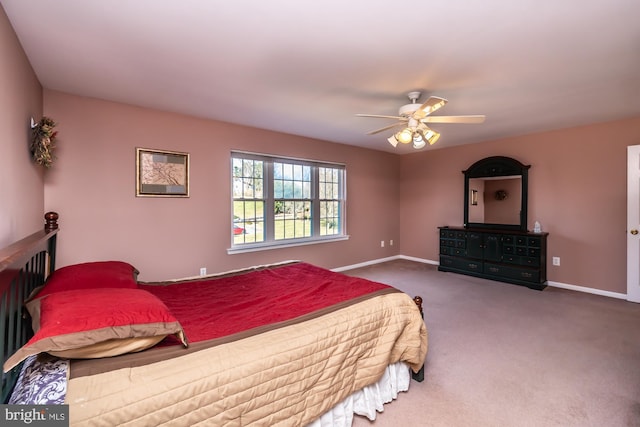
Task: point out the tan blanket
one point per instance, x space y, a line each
283 377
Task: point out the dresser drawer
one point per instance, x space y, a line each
461 264
446 250
526 274
533 252
534 242
511 259
452 234
521 260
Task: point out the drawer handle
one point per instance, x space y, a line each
527 275
494 269
473 266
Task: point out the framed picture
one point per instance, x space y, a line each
161 173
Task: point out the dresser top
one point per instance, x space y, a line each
493 231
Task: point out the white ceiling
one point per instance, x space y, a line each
307 68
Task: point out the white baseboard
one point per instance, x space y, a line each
422 260
428 261
587 290
365 264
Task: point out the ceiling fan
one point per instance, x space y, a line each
414 117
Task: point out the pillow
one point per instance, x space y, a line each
99 274
94 323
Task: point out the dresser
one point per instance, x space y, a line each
511 256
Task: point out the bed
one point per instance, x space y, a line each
282 344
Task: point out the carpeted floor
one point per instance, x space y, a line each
505 355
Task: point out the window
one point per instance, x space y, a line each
280 201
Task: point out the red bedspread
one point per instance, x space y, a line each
225 305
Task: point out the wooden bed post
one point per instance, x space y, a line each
418 300
419 376
51 223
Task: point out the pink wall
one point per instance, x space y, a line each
577 190
92 186
21 181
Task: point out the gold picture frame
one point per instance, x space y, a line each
161 173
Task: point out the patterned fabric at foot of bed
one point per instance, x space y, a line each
42 381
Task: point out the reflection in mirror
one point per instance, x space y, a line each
497 200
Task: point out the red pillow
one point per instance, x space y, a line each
89 275
99 322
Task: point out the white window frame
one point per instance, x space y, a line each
270 241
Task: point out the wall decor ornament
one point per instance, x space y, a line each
43 141
501 195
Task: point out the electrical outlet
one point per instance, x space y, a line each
382 243
203 271
556 260
390 242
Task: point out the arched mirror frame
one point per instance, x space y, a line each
497 166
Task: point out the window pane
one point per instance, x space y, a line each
278 190
248 222
237 188
292 220
248 205
247 168
329 219
257 187
288 189
237 167
287 170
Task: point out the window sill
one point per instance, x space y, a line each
283 245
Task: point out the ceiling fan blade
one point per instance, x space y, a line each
382 116
432 104
385 128
454 119
373 132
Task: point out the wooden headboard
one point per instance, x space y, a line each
24 265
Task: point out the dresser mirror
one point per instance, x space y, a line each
495 194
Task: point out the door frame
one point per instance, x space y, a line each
633 223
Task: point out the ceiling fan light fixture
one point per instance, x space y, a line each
418 143
393 141
431 136
405 136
